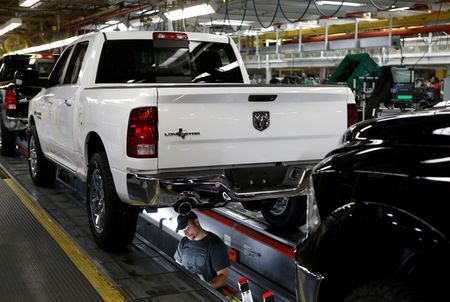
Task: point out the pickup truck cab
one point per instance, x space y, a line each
21 78
158 119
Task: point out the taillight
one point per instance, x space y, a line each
352 114
11 100
142 138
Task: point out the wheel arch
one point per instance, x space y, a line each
31 121
94 144
355 245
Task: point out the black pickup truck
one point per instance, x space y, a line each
378 222
21 78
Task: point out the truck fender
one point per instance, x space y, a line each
368 241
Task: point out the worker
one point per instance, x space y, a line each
274 80
201 252
434 82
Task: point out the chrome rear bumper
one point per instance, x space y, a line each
14 123
213 187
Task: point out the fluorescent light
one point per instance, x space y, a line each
189 12
122 27
112 22
300 25
28 3
10 25
56 44
114 27
227 22
268 29
338 3
247 32
147 12
399 9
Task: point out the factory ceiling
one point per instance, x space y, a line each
48 21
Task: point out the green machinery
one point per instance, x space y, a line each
354 70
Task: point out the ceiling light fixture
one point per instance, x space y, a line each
28 3
267 29
227 22
147 12
112 22
115 27
10 25
189 12
339 3
399 9
56 44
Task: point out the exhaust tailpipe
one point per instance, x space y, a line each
184 208
186 202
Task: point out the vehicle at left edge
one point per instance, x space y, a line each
21 78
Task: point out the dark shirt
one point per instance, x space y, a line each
203 257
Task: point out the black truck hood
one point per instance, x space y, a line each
421 128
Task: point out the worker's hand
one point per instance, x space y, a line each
220 280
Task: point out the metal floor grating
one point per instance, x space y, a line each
34 267
3 175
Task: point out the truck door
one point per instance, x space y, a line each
43 107
65 107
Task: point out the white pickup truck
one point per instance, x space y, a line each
158 119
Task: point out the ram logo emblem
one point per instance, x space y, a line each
261 120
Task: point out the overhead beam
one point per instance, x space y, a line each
430 18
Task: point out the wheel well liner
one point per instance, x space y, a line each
94 144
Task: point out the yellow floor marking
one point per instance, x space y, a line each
104 288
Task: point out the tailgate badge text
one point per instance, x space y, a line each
261 120
181 133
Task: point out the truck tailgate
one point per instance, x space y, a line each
204 126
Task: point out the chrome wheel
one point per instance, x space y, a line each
280 206
33 156
97 201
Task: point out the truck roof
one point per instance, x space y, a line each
138 35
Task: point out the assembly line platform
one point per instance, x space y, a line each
48 253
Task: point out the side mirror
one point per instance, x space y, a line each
26 77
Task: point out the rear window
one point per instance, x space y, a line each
142 61
44 68
11 65
21 62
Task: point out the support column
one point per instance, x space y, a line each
430 44
268 74
300 37
239 41
322 73
268 70
258 57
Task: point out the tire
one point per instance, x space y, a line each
288 213
42 171
387 291
112 222
8 147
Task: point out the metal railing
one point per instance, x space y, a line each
434 50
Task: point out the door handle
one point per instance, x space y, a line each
67 103
262 98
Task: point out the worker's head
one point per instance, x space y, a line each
434 79
189 224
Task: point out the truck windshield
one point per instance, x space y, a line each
139 61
